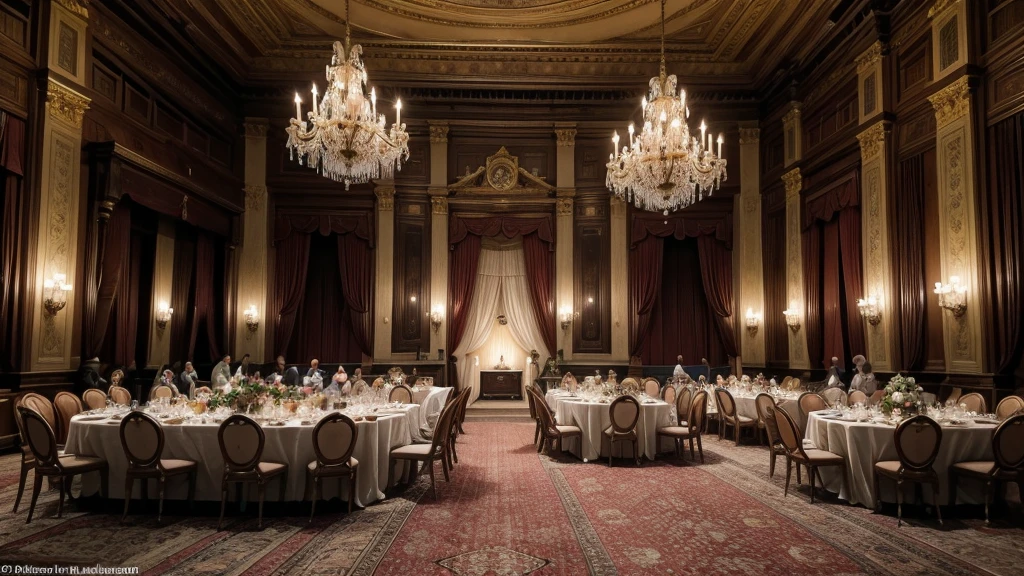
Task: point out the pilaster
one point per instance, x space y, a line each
870 83
792 131
798 357
163 266
877 260
252 285
619 270
958 244
385 191
747 253
565 171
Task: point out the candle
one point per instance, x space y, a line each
298 107
631 134
710 137
398 106
373 102
703 128
615 144
316 105
720 140
682 99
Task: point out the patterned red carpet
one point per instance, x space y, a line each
508 511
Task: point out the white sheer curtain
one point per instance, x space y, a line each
501 284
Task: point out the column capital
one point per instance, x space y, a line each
566 136
940 6
438 132
870 56
793 114
872 139
64 104
385 197
439 204
794 183
255 127
79 8
563 206
749 135
952 102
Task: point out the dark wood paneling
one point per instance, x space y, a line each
935 355
14 23
839 113
774 253
591 331
1005 21
410 331
913 69
772 152
590 162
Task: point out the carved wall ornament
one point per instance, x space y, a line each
254 197
439 204
501 175
794 183
871 141
184 208
77 7
255 130
868 59
952 102
750 135
566 136
438 133
563 206
940 7
385 198
751 203
65 104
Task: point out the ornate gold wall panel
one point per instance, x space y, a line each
877 262
798 357
747 251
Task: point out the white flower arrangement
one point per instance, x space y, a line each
901 395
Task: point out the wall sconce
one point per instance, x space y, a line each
753 322
869 309
436 316
792 319
952 296
55 294
566 316
252 318
163 315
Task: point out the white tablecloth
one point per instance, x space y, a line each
745 406
594 418
432 400
291 444
863 444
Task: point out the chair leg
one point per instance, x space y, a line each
771 465
21 484
789 473
952 486
261 488
935 498
798 479
700 449
129 482
878 495
223 503
316 496
899 502
37 485
433 485
988 498
191 489
64 481
104 482
444 467
693 455
160 486
351 491
811 474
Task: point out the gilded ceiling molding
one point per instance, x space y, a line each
566 136
952 102
871 141
563 206
868 59
77 7
254 197
255 130
439 204
940 7
438 133
750 136
385 198
65 104
794 182
507 23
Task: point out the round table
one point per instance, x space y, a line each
593 418
862 444
291 443
745 406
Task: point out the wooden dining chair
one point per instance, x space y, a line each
241 442
161 391
728 415
668 394
630 384
120 395
810 402
427 454
400 393
765 405
652 387
686 427
28 460
334 441
532 402
52 464
1009 406
67 405
812 458
552 432
975 402
94 399
876 397
833 395
918 440
624 413
142 439
1007 465
857 396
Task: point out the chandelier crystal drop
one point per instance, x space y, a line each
345 139
665 167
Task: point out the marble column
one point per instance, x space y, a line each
619 273
748 275
438 192
252 284
163 268
877 261
565 192
798 357
385 192
958 217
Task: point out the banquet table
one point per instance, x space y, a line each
431 400
593 418
862 444
745 406
291 443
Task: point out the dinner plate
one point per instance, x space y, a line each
92 418
986 421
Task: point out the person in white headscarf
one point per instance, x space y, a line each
864 380
221 376
858 374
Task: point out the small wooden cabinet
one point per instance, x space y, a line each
501 384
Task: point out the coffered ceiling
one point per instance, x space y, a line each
503 43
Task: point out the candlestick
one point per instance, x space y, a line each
298 107
682 99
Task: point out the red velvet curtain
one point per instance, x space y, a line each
832 316
716 274
1007 240
12 151
853 276
116 254
682 320
205 308
812 250
126 330
289 287
908 251
322 326
356 265
182 294
539 275
645 270
509 226
462 267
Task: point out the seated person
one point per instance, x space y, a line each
117 378
339 383
188 379
835 374
291 377
315 375
220 378
865 380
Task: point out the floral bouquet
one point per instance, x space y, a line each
901 395
248 395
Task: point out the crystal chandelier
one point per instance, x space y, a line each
664 167
345 139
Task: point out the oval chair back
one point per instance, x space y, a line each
531 401
684 401
334 439
794 384
726 403
789 432
120 395
161 391
810 402
857 396
668 394
765 405
917 443
652 387
831 395
359 387
41 405
67 405
94 399
241 443
142 439
785 382
378 383
40 437
1009 406
698 411
401 394
443 428
975 402
876 397
569 382
1008 445
624 413
629 384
